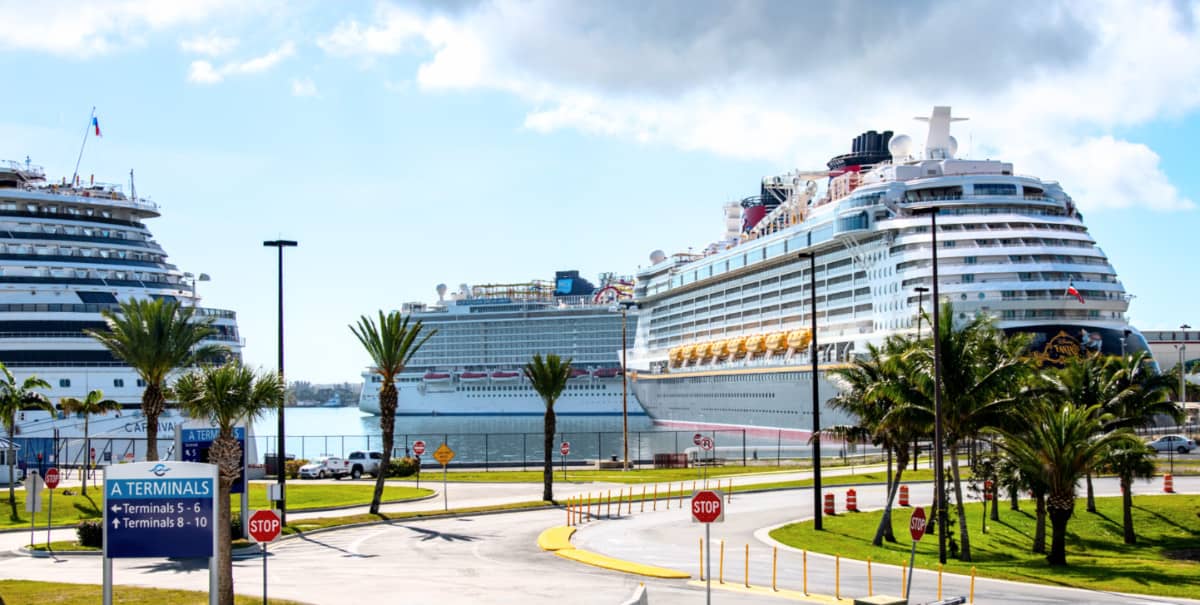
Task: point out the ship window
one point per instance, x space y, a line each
118 382
141 383
64 382
995 189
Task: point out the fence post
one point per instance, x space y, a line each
523 459
779 454
743 447
485 452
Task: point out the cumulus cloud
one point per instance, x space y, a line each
211 46
204 72
793 82
304 87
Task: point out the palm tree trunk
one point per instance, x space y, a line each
9 455
1127 509
226 454
548 429
1039 531
87 454
1013 494
1059 516
1091 494
995 484
884 531
152 405
388 398
964 554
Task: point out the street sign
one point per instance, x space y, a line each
443 454
708 506
418 447
33 492
696 438
195 444
264 526
565 448
160 509
916 524
52 478
706 444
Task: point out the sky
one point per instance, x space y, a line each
407 144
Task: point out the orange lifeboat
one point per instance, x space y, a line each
689 352
777 341
737 346
705 351
676 355
756 344
798 339
721 349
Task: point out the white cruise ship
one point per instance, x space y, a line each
486 334
723 337
67 251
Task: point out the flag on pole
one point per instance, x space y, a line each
96 124
1071 291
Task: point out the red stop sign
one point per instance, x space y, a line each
707 507
264 526
52 478
565 448
696 438
418 447
916 524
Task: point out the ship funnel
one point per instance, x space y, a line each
939 145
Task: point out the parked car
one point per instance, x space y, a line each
364 463
1177 443
325 466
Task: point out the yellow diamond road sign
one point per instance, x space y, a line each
443 454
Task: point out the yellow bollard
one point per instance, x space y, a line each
654 505
870 584
608 511
642 508
721 576
774 566
972 597
701 559
747 576
837 577
693 487
729 492
631 499
589 506
939 581
568 509
903 584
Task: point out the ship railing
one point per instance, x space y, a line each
96 308
22 167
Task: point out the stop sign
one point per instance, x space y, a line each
696 438
707 507
916 524
264 526
52 477
418 447
565 448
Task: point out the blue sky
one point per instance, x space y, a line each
406 145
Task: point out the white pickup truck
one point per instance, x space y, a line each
324 467
364 463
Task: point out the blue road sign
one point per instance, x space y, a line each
195 444
160 509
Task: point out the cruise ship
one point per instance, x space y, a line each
723 337
68 250
486 334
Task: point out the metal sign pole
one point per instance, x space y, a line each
445 496
564 463
708 563
49 517
911 559
264 553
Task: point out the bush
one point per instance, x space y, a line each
90 533
235 526
402 467
293 467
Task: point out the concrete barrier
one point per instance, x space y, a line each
639 597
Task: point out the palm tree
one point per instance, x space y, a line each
94 403
1083 381
156 337
1128 463
391 343
1061 443
15 397
549 378
227 395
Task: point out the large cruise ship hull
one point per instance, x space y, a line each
581 398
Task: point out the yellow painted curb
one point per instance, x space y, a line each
599 560
794 595
556 538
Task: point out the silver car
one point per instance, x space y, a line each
1177 443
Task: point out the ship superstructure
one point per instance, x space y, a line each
486 334
723 337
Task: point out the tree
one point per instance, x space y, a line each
549 378
15 397
227 395
156 337
1062 443
391 343
1129 462
93 403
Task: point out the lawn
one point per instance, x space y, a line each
1096 556
72 509
24 592
649 475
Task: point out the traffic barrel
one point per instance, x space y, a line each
830 508
1168 483
852 500
903 495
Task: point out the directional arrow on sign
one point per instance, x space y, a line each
116 523
115 508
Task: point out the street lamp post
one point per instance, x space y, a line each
625 305
938 430
920 290
281 455
192 279
816 400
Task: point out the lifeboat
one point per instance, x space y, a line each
498 375
676 356
756 344
437 377
777 341
691 353
607 373
737 346
721 349
705 351
577 373
472 376
798 339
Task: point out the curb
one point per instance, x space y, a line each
558 540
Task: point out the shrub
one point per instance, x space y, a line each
402 467
90 533
235 526
293 467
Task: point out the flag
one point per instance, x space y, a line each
1071 291
96 123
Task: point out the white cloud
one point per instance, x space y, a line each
304 87
1044 83
204 72
211 46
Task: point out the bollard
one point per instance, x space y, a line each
681 494
1168 483
608 511
837 577
870 584
642 509
972 597
851 501
589 506
701 559
630 500
903 584
568 509
693 486
774 566
903 495
747 577
830 508
729 492
939 581
654 505
721 575
805 572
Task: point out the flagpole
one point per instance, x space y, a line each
82 145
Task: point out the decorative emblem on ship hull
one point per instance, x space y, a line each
1057 349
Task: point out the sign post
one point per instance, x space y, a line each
916 527
160 509
444 455
708 507
52 479
696 442
264 527
706 444
565 450
33 498
418 448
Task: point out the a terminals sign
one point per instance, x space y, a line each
159 509
708 507
196 443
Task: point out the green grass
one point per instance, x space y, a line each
61 546
1096 555
305 525
69 510
656 475
25 592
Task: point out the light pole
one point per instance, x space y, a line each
192 279
920 290
816 398
939 478
281 455
625 305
